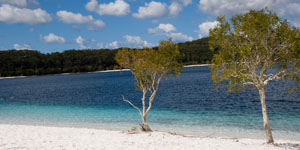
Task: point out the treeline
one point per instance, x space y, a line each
196 52
30 62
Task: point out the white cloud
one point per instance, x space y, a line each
170 31
162 28
293 10
77 18
186 2
113 45
175 8
204 28
92 5
230 7
22 47
21 3
128 41
12 14
116 8
177 36
135 41
79 40
151 10
52 38
288 9
100 45
72 18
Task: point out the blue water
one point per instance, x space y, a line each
189 104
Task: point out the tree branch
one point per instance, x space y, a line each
278 76
132 105
248 83
153 94
143 100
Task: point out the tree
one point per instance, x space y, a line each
149 67
254 49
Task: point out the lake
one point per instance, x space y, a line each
188 104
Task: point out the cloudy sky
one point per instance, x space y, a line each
57 25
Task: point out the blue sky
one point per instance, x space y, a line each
57 25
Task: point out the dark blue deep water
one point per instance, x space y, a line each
189 104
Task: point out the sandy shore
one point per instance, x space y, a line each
200 65
23 137
12 77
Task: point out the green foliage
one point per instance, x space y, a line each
149 66
255 48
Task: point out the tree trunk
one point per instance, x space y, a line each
144 125
265 115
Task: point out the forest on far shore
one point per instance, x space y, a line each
32 62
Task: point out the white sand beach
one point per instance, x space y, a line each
21 137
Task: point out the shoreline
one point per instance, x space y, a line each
14 77
43 137
199 65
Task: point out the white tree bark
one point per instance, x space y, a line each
265 114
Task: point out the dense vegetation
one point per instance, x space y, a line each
30 62
196 52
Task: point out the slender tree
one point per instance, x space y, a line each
254 49
149 67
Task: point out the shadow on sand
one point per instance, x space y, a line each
290 146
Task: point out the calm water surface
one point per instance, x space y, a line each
188 104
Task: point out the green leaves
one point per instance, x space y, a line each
250 46
149 66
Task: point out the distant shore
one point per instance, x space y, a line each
12 77
28 137
200 65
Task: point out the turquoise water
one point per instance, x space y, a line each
188 105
